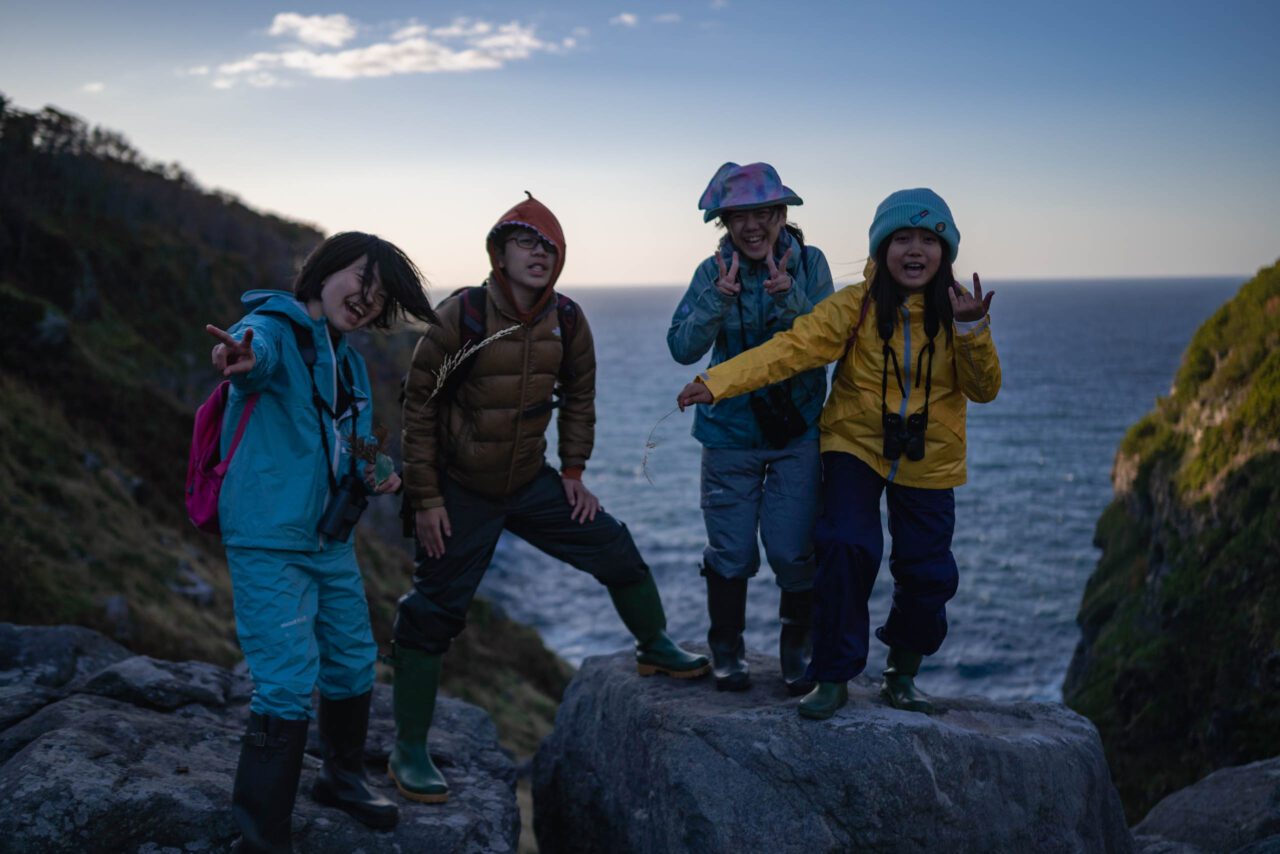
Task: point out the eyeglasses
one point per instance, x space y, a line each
758 216
527 240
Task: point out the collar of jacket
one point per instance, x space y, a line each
506 306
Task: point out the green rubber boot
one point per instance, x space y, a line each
824 700
417 675
899 686
640 608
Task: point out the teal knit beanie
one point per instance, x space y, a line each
918 208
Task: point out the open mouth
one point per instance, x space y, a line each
913 269
356 310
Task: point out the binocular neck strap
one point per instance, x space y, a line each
323 409
928 376
889 356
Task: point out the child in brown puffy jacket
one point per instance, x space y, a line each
474 466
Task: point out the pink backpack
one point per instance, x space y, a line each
205 470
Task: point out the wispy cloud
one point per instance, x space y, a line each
719 4
314 30
465 44
626 19
667 18
93 88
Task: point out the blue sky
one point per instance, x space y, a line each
1071 139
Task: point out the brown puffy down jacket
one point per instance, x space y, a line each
490 438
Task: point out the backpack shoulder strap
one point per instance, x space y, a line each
471 329
568 314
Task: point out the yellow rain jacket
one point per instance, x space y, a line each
966 368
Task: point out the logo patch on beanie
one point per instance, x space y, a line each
915 218
940 227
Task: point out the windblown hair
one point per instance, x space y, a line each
888 296
400 278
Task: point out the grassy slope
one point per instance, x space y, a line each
1180 661
107 273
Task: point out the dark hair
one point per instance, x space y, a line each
789 226
888 296
400 278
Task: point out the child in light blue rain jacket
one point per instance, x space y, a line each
301 614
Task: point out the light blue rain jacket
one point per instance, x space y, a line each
707 320
277 485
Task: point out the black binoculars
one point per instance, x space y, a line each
779 419
900 438
345 507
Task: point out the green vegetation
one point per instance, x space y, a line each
109 268
1179 665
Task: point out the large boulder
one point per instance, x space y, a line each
659 765
1233 809
111 752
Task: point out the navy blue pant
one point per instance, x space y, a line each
849 545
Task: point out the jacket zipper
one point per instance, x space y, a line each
333 422
524 389
906 379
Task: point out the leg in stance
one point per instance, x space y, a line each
849 545
347 655
429 617
276 605
925 578
727 608
417 676
788 512
540 514
732 481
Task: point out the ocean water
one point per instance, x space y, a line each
1082 360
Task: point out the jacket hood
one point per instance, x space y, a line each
533 214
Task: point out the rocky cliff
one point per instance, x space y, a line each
1179 659
105 751
656 765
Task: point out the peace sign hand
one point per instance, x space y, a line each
970 307
779 281
728 283
231 356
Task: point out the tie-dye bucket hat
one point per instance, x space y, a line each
742 188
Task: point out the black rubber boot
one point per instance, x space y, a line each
795 641
267 783
727 607
640 608
341 782
899 686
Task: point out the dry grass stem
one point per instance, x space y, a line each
451 363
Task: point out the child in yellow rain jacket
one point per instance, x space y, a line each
913 347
